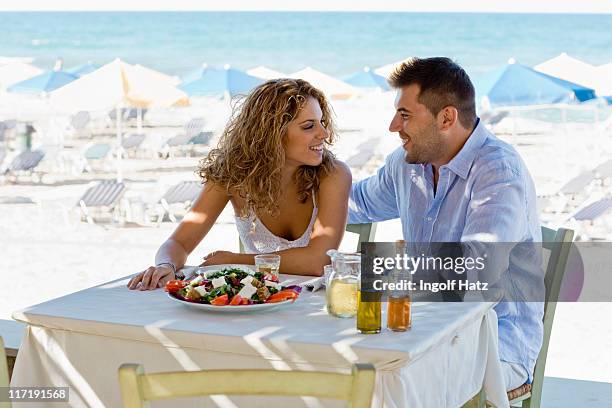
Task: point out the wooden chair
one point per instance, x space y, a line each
366 233
137 387
4 375
559 244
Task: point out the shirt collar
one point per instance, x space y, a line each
462 162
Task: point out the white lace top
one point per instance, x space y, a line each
257 239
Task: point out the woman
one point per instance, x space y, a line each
289 193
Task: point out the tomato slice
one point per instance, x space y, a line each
282 296
220 300
271 278
174 286
236 300
245 301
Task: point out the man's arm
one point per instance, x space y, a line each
374 198
498 219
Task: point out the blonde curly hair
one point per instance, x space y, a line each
250 154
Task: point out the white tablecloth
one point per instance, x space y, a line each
81 339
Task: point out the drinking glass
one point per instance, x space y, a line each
268 264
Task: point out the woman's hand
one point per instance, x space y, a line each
152 278
222 257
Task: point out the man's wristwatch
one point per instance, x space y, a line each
177 274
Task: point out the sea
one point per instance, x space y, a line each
338 43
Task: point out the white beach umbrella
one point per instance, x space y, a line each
334 88
604 79
570 69
118 84
171 80
12 60
16 72
385 70
264 72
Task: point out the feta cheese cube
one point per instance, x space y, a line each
197 280
201 290
247 280
247 291
218 282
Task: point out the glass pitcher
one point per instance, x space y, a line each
343 283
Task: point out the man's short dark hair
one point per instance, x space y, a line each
442 83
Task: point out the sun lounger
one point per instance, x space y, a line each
182 194
589 220
95 156
25 163
103 196
79 123
593 210
604 170
578 184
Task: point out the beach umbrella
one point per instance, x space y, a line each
118 85
331 86
226 82
386 70
171 80
265 73
366 78
13 60
570 69
46 82
518 85
16 72
603 85
83 69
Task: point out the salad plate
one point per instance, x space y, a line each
231 309
231 288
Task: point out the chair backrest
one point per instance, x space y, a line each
194 127
559 244
183 192
366 233
133 141
97 151
80 120
137 387
578 183
103 194
594 210
27 160
201 138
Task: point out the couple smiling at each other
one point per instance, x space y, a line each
450 181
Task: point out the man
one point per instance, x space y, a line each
453 181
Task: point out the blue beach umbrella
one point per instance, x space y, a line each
45 82
82 69
518 85
366 78
208 81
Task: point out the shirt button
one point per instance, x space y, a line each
429 218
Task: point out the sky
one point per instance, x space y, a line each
513 6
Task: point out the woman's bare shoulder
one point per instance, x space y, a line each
341 173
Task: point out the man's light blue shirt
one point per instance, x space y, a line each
485 193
